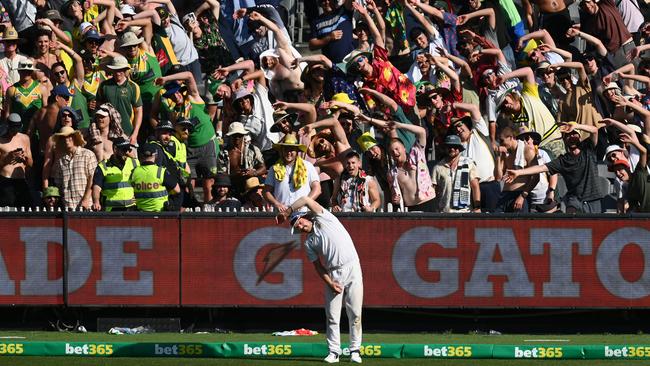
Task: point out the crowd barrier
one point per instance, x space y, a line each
408 260
275 350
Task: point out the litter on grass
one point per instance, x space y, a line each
136 330
296 332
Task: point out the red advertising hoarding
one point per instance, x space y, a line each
406 261
123 261
430 263
31 261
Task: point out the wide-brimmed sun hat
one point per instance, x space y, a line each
290 140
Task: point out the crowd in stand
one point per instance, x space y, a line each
430 106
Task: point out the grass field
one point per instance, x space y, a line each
370 338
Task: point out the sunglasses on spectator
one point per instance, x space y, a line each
66 114
60 72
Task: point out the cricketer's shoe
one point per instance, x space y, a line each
332 358
355 357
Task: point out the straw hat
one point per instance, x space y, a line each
119 63
236 128
69 131
290 140
251 184
10 34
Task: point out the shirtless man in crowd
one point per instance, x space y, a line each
15 158
553 16
515 154
276 63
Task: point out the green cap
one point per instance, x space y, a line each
51 192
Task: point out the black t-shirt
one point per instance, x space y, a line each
638 190
580 172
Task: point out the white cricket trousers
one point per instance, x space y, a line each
350 277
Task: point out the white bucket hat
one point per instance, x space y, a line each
237 128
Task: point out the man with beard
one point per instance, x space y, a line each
111 188
15 158
578 168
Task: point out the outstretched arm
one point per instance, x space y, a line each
379 40
430 10
572 65
486 12
600 47
381 97
301 202
541 35
524 73
316 59
185 76
428 27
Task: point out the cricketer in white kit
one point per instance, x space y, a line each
327 240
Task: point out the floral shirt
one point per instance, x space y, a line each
388 80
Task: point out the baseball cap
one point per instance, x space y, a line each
148 150
618 162
61 90
294 219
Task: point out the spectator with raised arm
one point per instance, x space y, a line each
578 168
526 108
202 146
332 30
474 134
284 80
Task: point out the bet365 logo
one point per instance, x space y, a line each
627 351
267 350
448 351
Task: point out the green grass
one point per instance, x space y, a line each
368 338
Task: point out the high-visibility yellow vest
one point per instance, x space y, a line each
150 193
116 190
181 155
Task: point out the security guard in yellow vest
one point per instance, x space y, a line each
166 157
151 183
111 188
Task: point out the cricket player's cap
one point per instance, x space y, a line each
294 219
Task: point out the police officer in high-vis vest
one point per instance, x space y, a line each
169 155
152 183
111 188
